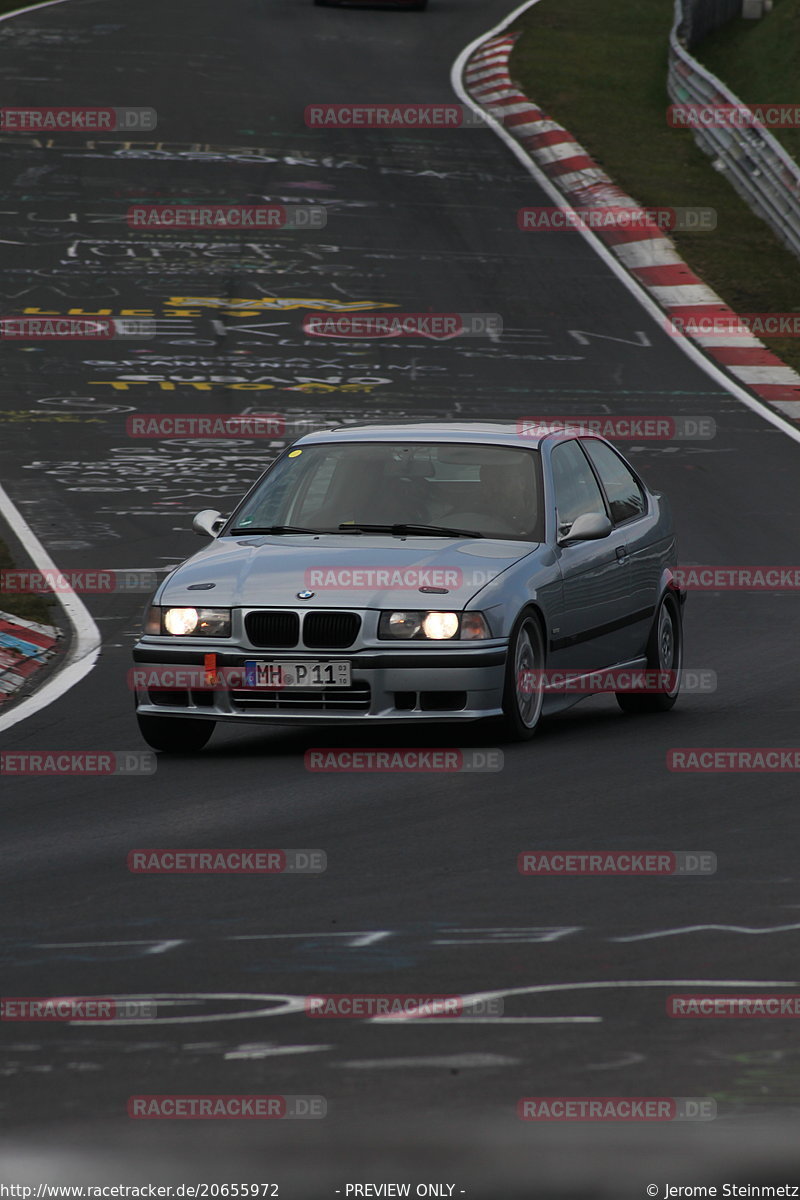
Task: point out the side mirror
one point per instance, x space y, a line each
588 527
208 523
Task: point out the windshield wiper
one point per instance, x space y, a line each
396 530
274 529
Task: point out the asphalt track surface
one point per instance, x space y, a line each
421 893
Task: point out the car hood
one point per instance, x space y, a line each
347 571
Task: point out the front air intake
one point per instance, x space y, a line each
272 629
330 630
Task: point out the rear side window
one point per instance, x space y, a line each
576 490
625 497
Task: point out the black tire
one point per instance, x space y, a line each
664 653
175 735
526 651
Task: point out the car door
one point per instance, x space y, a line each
628 508
591 631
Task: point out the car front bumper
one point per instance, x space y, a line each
388 686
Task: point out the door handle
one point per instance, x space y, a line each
622 552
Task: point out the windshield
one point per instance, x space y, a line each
494 490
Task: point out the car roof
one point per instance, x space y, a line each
483 432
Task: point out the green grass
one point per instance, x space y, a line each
30 608
600 70
11 5
760 61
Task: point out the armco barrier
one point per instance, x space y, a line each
754 162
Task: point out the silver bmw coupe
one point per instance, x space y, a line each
408 573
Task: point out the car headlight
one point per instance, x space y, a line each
439 626
189 622
432 626
400 625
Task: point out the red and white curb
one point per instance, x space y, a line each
646 253
25 646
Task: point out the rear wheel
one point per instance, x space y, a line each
522 704
664 653
175 735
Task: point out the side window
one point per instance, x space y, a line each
576 490
625 497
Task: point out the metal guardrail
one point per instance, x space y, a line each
758 167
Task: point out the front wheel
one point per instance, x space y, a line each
664 653
175 735
522 700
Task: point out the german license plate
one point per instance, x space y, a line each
280 675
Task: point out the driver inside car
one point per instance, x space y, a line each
505 501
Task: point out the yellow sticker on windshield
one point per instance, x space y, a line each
294 453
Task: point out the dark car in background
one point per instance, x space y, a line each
417 5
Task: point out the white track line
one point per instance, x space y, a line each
633 286
30 8
86 638
540 989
